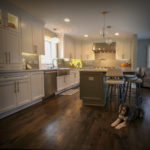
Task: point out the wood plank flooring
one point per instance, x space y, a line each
62 123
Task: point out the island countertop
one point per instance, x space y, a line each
125 70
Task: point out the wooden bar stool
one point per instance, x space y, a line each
138 82
114 81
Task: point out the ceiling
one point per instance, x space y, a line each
127 17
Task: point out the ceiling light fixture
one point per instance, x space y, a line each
117 34
85 35
105 29
67 20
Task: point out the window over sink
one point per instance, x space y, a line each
50 52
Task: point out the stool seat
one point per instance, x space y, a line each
113 82
129 76
138 80
132 79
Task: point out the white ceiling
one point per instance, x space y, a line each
125 16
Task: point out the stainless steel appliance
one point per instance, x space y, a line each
50 82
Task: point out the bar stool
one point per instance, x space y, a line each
114 81
134 79
138 82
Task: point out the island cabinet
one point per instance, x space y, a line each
92 88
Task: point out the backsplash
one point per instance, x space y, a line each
32 60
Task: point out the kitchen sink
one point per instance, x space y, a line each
63 72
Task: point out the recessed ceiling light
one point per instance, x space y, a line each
116 33
85 35
67 20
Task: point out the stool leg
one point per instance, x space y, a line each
125 96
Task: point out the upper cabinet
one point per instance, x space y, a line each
69 47
9 20
38 38
32 36
123 49
26 36
10 50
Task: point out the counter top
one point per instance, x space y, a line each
105 70
32 70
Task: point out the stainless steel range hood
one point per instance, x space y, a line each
104 47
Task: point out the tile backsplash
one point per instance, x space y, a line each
32 60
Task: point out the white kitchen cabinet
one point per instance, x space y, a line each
87 53
2 47
7 96
63 82
32 36
60 83
74 75
13 48
37 85
14 91
10 54
123 49
26 36
69 47
23 88
38 38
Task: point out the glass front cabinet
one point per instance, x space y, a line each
8 20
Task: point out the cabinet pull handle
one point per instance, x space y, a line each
9 58
6 57
15 87
18 86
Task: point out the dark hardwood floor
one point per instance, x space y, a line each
62 123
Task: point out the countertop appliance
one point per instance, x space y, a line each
50 82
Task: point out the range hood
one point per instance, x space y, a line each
104 47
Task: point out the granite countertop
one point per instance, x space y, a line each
32 70
105 70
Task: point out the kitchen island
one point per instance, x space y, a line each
93 87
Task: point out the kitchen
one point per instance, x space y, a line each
45 52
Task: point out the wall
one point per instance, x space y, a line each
142 52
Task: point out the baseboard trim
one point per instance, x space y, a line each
12 111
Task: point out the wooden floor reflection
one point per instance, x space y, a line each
62 123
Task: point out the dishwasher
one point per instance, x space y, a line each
50 82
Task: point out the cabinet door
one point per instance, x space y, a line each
119 50
127 49
13 49
3 54
7 96
37 85
23 92
72 79
76 77
38 38
26 38
66 81
12 22
60 83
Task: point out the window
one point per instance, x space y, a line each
50 52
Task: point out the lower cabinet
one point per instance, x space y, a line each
66 81
23 91
37 85
19 89
14 91
8 95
